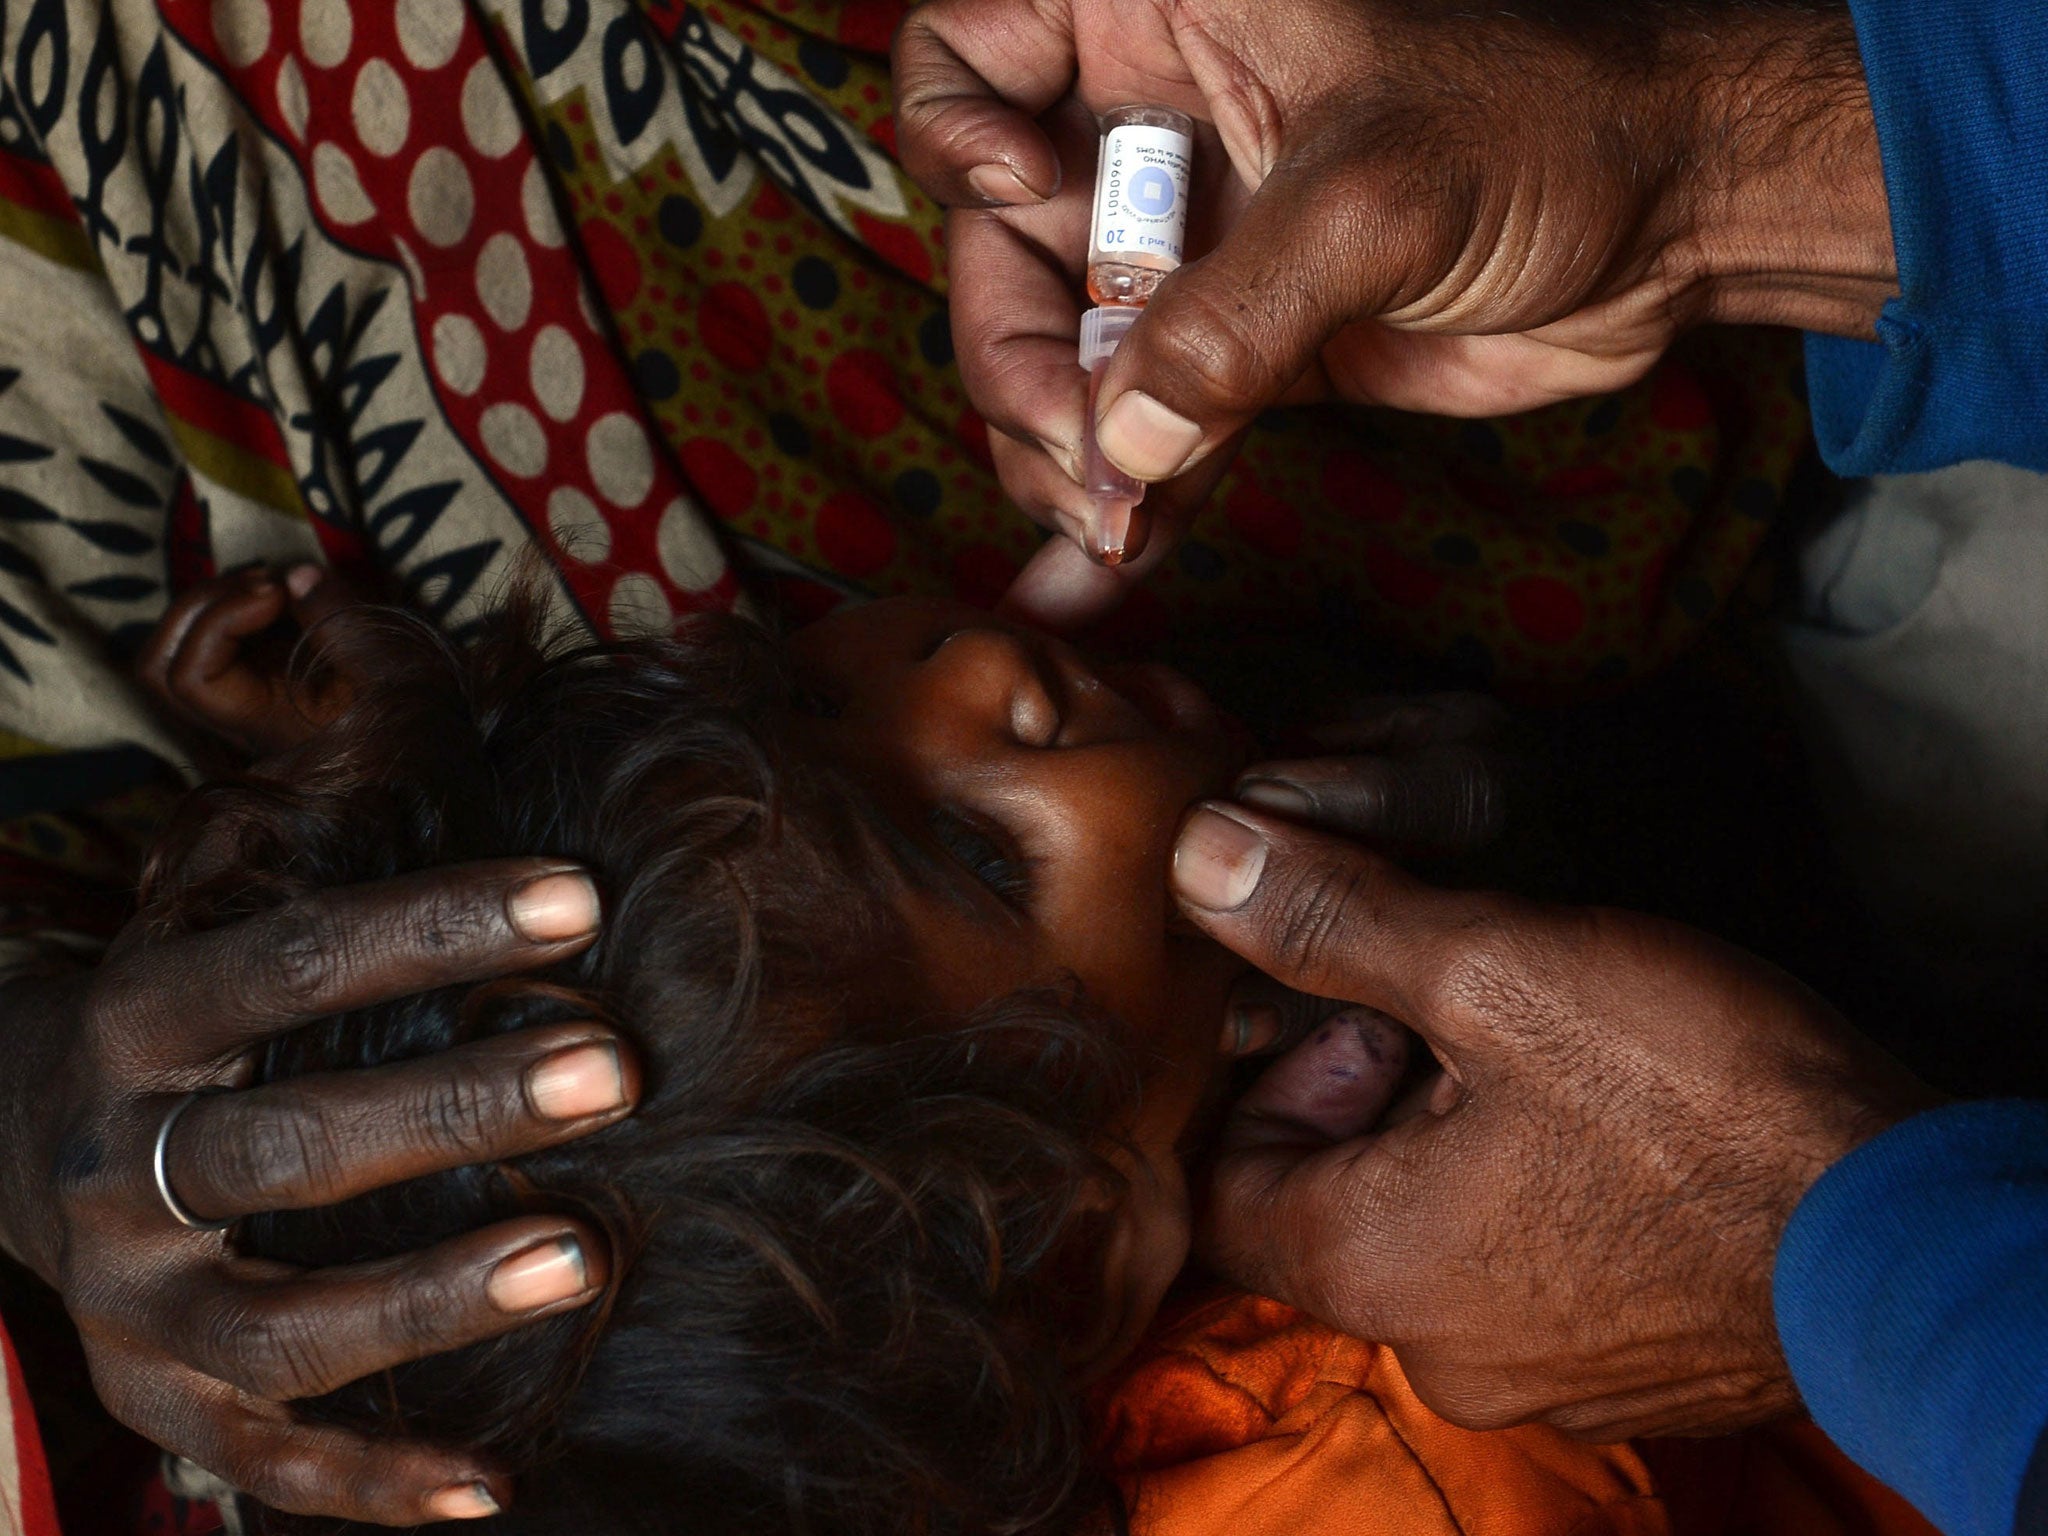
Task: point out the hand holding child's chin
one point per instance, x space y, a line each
1576 1222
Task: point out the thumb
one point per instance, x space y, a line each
1328 917
1228 335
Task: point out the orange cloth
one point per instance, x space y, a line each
1245 1418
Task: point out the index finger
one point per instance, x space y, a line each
198 998
267 1452
1443 798
970 75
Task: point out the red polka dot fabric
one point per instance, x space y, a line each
794 349
684 310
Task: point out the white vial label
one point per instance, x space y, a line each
1141 195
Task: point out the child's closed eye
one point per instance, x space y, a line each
987 853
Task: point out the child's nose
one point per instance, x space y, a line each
998 671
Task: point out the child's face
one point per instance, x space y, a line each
1031 803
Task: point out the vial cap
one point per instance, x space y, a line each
1102 329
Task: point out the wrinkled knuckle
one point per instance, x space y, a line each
465 1116
290 1480
269 1352
302 951
1483 811
425 1315
282 1154
946 139
1495 973
1207 359
455 922
1010 390
1315 919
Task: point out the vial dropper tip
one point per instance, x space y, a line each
1110 531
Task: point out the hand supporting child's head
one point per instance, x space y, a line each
888 918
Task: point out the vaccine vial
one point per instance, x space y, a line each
1116 531
1141 202
1136 238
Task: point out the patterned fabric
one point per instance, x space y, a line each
26 1508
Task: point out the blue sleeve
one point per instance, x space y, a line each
1912 1298
1960 367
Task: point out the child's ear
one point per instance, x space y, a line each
1142 1245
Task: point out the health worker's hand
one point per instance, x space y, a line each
1423 773
1421 205
198 1349
1575 1220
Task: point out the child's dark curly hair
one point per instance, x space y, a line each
849 1235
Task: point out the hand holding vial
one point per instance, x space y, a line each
1381 213
1135 239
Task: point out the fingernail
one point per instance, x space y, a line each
1280 799
585 1080
463 1501
300 580
1144 439
1251 1027
1000 184
1217 861
553 1271
554 907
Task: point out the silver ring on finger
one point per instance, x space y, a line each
160 1164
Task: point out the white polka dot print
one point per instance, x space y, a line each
341 191
557 371
460 355
291 97
488 116
514 440
538 204
326 31
578 526
689 554
429 31
503 281
440 198
621 460
382 109
242 28
640 607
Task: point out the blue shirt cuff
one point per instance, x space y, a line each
1912 1298
1960 367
